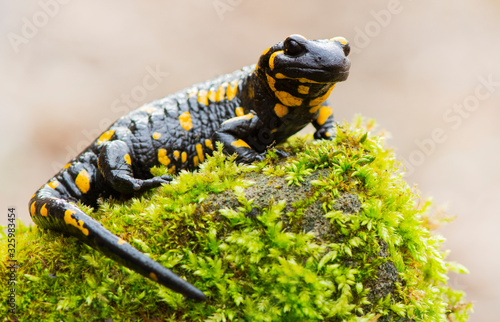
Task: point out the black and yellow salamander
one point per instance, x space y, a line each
248 111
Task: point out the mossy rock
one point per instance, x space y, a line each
330 233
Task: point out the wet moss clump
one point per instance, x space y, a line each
330 233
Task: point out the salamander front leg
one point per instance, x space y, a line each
324 124
247 137
234 145
238 135
115 165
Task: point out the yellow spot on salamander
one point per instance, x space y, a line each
237 118
202 97
67 165
271 59
302 89
231 90
239 111
68 218
32 208
211 95
184 157
82 181
172 169
208 144
176 155
106 136
265 51
314 109
240 144
199 151
219 95
274 130
341 40
121 241
288 99
324 113
162 157
153 276
156 135
192 92
271 82
43 210
185 120
280 110
328 134
53 184
322 98
127 159
196 161
147 109
251 91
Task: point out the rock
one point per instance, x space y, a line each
331 233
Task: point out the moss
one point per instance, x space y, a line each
331 233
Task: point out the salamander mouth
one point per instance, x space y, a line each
318 75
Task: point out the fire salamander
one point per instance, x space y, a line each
248 111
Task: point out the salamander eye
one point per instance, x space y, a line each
292 47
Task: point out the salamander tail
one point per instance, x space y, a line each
59 214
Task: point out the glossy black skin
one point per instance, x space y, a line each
108 172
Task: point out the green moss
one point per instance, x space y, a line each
331 233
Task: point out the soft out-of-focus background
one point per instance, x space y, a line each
427 71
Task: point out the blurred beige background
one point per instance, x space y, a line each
427 71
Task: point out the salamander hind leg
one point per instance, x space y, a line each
115 164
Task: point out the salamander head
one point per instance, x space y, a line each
300 71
